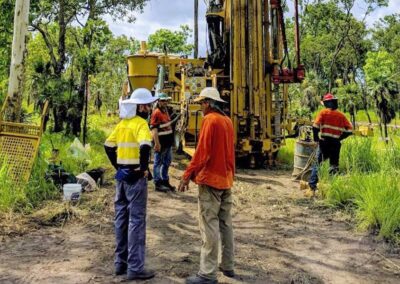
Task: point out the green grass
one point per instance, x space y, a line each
31 196
357 155
369 183
286 153
76 160
10 196
25 198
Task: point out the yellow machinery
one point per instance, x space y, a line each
247 51
181 78
19 144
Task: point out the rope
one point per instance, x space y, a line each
308 165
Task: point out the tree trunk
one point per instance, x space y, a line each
86 113
59 114
196 29
365 105
87 41
15 87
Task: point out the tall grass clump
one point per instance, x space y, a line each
358 155
38 188
368 182
10 195
23 198
378 203
389 157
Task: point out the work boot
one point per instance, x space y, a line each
311 192
197 279
161 187
227 273
120 270
167 184
144 275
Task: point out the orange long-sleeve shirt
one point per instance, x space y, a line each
332 123
213 162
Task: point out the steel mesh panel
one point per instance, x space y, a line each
19 154
20 128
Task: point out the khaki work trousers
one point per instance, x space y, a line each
215 221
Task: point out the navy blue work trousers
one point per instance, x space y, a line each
328 149
130 224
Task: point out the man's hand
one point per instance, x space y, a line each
183 185
157 147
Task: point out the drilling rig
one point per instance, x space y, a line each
248 62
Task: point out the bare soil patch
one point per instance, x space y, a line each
281 237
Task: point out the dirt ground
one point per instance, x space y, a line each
281 237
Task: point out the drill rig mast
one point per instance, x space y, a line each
248 47
247 50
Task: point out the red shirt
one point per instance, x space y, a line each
161 121
332 123
213 162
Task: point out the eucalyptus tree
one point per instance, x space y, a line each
334 41
17 66
6 33
107 82
165 40
85 13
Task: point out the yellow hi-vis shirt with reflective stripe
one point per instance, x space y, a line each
128 136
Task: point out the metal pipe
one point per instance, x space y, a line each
195 128
297 32
250 66
275 29
277 120
160 81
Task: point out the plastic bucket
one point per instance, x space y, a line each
72 191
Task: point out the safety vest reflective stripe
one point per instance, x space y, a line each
165 124
144 142
330 135
110 144
128 161
164 132
332 127
127 145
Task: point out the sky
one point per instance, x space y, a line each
170 14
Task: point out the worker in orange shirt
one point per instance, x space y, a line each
329 128
213 167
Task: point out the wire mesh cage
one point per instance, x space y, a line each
19 144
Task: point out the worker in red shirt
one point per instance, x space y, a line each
213 167
329 128
163 137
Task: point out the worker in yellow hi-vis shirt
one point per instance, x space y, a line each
128 148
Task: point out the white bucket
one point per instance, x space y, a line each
72 191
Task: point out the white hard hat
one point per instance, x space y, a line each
210 93
141 96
